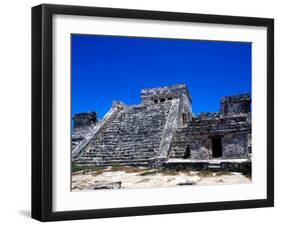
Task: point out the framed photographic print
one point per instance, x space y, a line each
145 112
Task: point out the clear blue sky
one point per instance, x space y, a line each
107 68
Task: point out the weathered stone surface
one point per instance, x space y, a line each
234 131
236 104
187 182
162 94
231 165
105 185
169 129
86 119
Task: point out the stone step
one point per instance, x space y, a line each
116 157
214 166
112 154
112 162
123 147
106 153
132 136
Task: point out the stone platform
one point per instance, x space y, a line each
232 165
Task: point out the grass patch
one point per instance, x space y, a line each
147 173
205 173
86 169
96 170
163 171
76 168
208 173
116 167
127 169
169 172
222 173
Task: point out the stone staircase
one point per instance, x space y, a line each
132 137
214 166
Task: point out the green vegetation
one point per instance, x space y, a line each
144 171
169 172
222 173
85 169
163 171
127 169
116 167
95 170
76 168
209 173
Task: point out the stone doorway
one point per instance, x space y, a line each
187 152
216 147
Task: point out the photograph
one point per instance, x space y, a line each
151 112
142 112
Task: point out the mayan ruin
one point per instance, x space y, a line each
162 131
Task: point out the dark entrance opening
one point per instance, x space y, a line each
187 153
216 147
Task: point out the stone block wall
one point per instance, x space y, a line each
83 123
78 135
233 131
85 119
235 145
162 94
235 104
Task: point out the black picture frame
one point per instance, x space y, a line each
42 111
